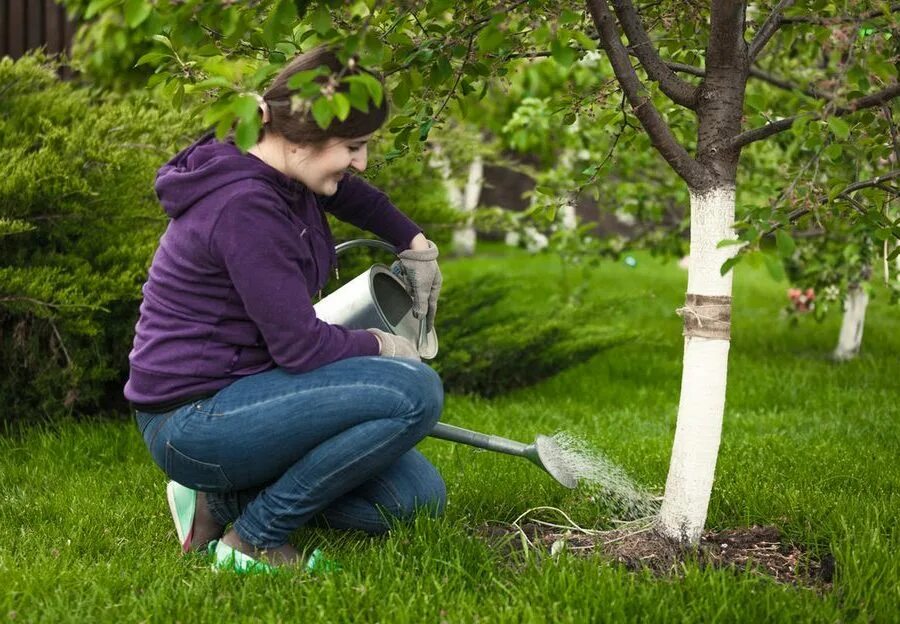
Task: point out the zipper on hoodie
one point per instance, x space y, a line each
234 359
312 253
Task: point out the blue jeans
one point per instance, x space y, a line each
331 447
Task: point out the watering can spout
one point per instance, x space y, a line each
543 453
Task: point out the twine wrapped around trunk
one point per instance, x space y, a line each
706 316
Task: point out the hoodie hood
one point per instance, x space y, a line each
208 165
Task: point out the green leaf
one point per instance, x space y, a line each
834 151
245 106
839 127
729 242
561 53
441 71
164 40
774 267
97 6
223 127
178 96
372 84
340 104
491 38
425 128
401 141
280 21
320 20
784 243
305 77
136 11
247 132
586 42
151 58
569 118
322 113
373 50
400 94
359 97
729 264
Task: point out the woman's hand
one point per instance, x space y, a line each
390 345
420 271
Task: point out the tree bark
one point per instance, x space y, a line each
707 311
850 338
704 373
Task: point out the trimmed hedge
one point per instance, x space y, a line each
488 346
79 222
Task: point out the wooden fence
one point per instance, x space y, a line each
30 24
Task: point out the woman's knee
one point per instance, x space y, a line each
421 387
413 485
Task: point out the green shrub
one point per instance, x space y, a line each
488 346
79 221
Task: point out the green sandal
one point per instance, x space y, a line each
227 558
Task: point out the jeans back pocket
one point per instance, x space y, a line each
195 474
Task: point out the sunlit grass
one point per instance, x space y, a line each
808 445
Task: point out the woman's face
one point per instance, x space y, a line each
320 168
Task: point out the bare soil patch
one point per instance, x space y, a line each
758 549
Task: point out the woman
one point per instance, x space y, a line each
265 418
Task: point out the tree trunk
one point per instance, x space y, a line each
567 219
464 200
705 369
850 338
464 238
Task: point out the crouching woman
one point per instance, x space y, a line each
265 418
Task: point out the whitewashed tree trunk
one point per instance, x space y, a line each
850 338
465 200
464 238
704 374
567 218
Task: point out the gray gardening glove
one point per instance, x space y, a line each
390 345
420 272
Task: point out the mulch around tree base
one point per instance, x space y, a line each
757 548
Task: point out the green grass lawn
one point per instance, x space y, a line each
808 445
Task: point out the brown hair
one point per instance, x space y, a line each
299 126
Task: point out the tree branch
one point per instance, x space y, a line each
768 29
856 186
763 132
684 68
660 134
678 90
756 73
839 19
788 85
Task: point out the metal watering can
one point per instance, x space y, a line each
378 298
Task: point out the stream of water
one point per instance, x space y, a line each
602 478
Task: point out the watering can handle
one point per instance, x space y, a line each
365 242
384 246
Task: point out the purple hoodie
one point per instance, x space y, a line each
230 288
